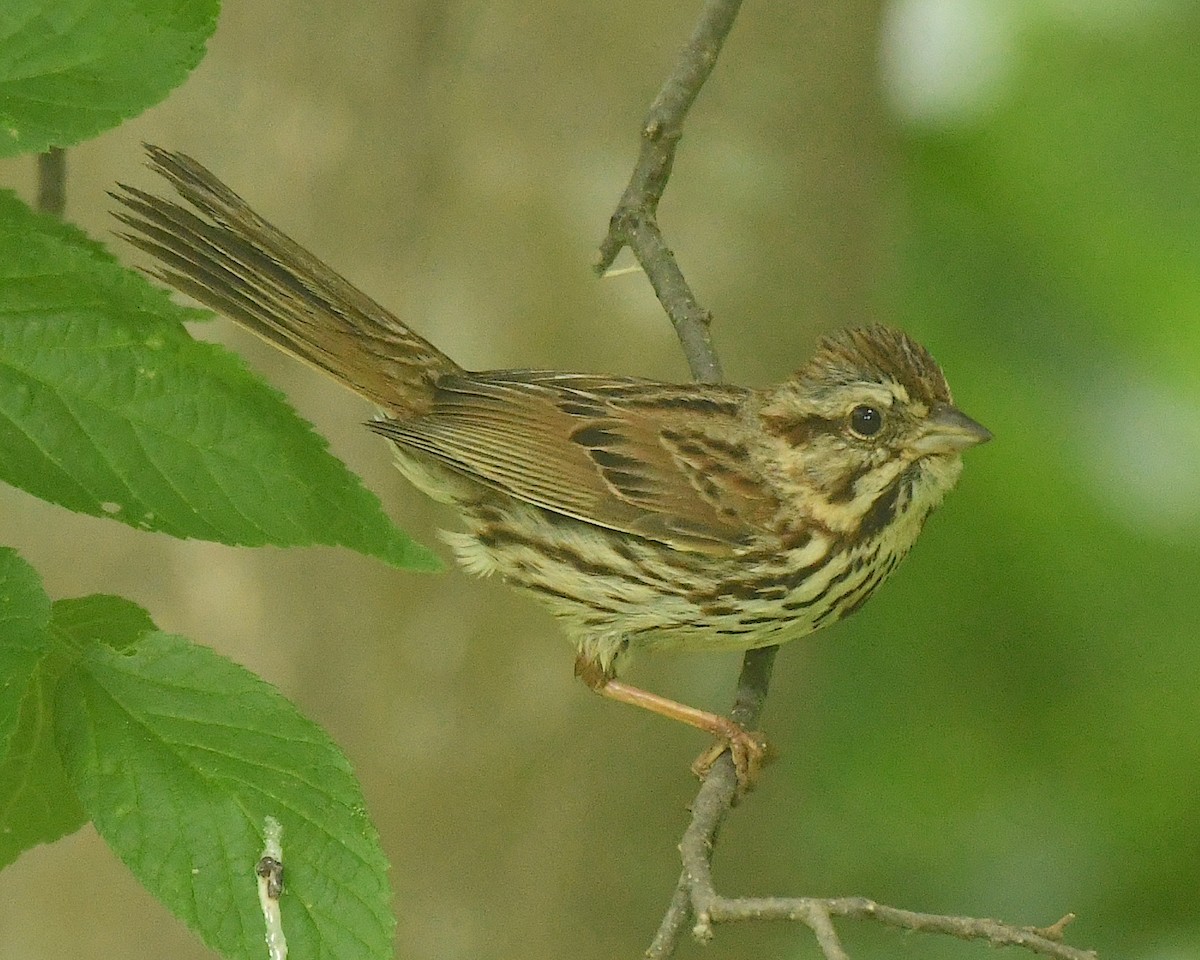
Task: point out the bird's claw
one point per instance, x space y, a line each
749 751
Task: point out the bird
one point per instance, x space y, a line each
647 516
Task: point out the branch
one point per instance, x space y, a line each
695 894
635 225
817 914
635 222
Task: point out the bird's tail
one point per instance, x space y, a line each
230 259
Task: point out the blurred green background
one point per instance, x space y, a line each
1010 728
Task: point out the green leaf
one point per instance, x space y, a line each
113 621
70 69
36 804
109 407
180 755
24 616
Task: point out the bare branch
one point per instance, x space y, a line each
635 222
804 909
715 797
635 225
674 920
820 923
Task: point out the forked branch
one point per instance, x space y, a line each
634 224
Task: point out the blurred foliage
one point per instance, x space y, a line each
1033 741
1008 729
70 70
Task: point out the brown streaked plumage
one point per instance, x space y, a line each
646 515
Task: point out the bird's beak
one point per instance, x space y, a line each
947 430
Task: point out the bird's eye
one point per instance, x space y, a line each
865 421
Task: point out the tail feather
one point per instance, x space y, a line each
233 261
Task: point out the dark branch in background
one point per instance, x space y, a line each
52 181
635 225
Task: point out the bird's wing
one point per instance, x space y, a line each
659 461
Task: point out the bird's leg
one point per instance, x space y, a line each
748 749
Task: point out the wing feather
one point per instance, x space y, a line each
630 455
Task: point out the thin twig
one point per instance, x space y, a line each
635 222
635 225
673 921
713 800
821 924
994 932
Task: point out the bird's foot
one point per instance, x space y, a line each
748 749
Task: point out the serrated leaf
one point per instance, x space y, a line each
179 756
109 407
113 621
37 804
24 617
70 69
